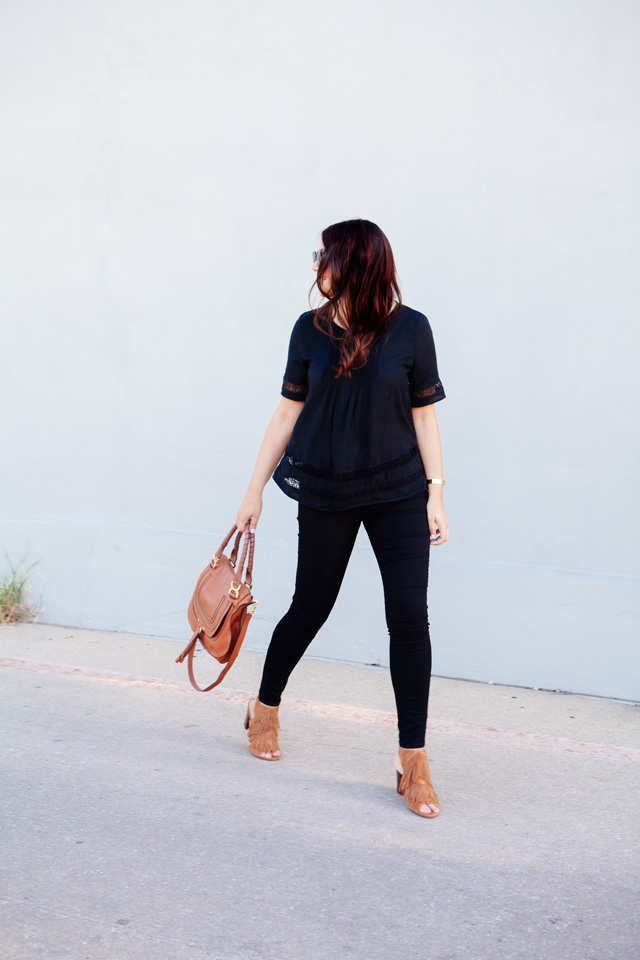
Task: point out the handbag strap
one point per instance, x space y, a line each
233 556
226 540
252 543
249 541
191 647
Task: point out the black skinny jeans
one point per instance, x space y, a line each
399 534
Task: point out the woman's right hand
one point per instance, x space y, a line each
249 509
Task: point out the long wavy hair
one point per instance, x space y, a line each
358 271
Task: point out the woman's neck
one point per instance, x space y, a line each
337 316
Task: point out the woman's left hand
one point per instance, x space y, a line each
437 519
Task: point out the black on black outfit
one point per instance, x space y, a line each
353 457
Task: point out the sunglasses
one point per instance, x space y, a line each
316 255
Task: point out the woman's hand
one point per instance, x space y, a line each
249 509
437 519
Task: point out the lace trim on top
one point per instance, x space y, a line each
355 494
427 392
360 474
295 387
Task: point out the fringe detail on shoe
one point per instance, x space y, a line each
415 783
263 728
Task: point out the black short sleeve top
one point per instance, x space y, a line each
354 442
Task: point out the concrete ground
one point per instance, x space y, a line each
139 826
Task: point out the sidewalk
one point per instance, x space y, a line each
139 827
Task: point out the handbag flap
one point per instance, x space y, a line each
211 601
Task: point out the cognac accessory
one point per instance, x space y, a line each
219 611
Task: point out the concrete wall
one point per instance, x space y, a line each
165 172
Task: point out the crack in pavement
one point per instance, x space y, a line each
520 739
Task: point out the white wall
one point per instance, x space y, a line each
165 172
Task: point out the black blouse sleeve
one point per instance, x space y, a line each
295 385
424 382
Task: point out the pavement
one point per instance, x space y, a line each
139 827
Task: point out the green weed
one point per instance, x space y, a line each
15 602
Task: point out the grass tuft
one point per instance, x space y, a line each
15 604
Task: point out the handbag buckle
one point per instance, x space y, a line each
215 561
252 607
234 590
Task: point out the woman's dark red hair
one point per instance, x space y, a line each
360 273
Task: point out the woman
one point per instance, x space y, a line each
355 439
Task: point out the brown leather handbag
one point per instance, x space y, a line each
219 611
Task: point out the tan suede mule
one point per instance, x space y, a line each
263 726
414 782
